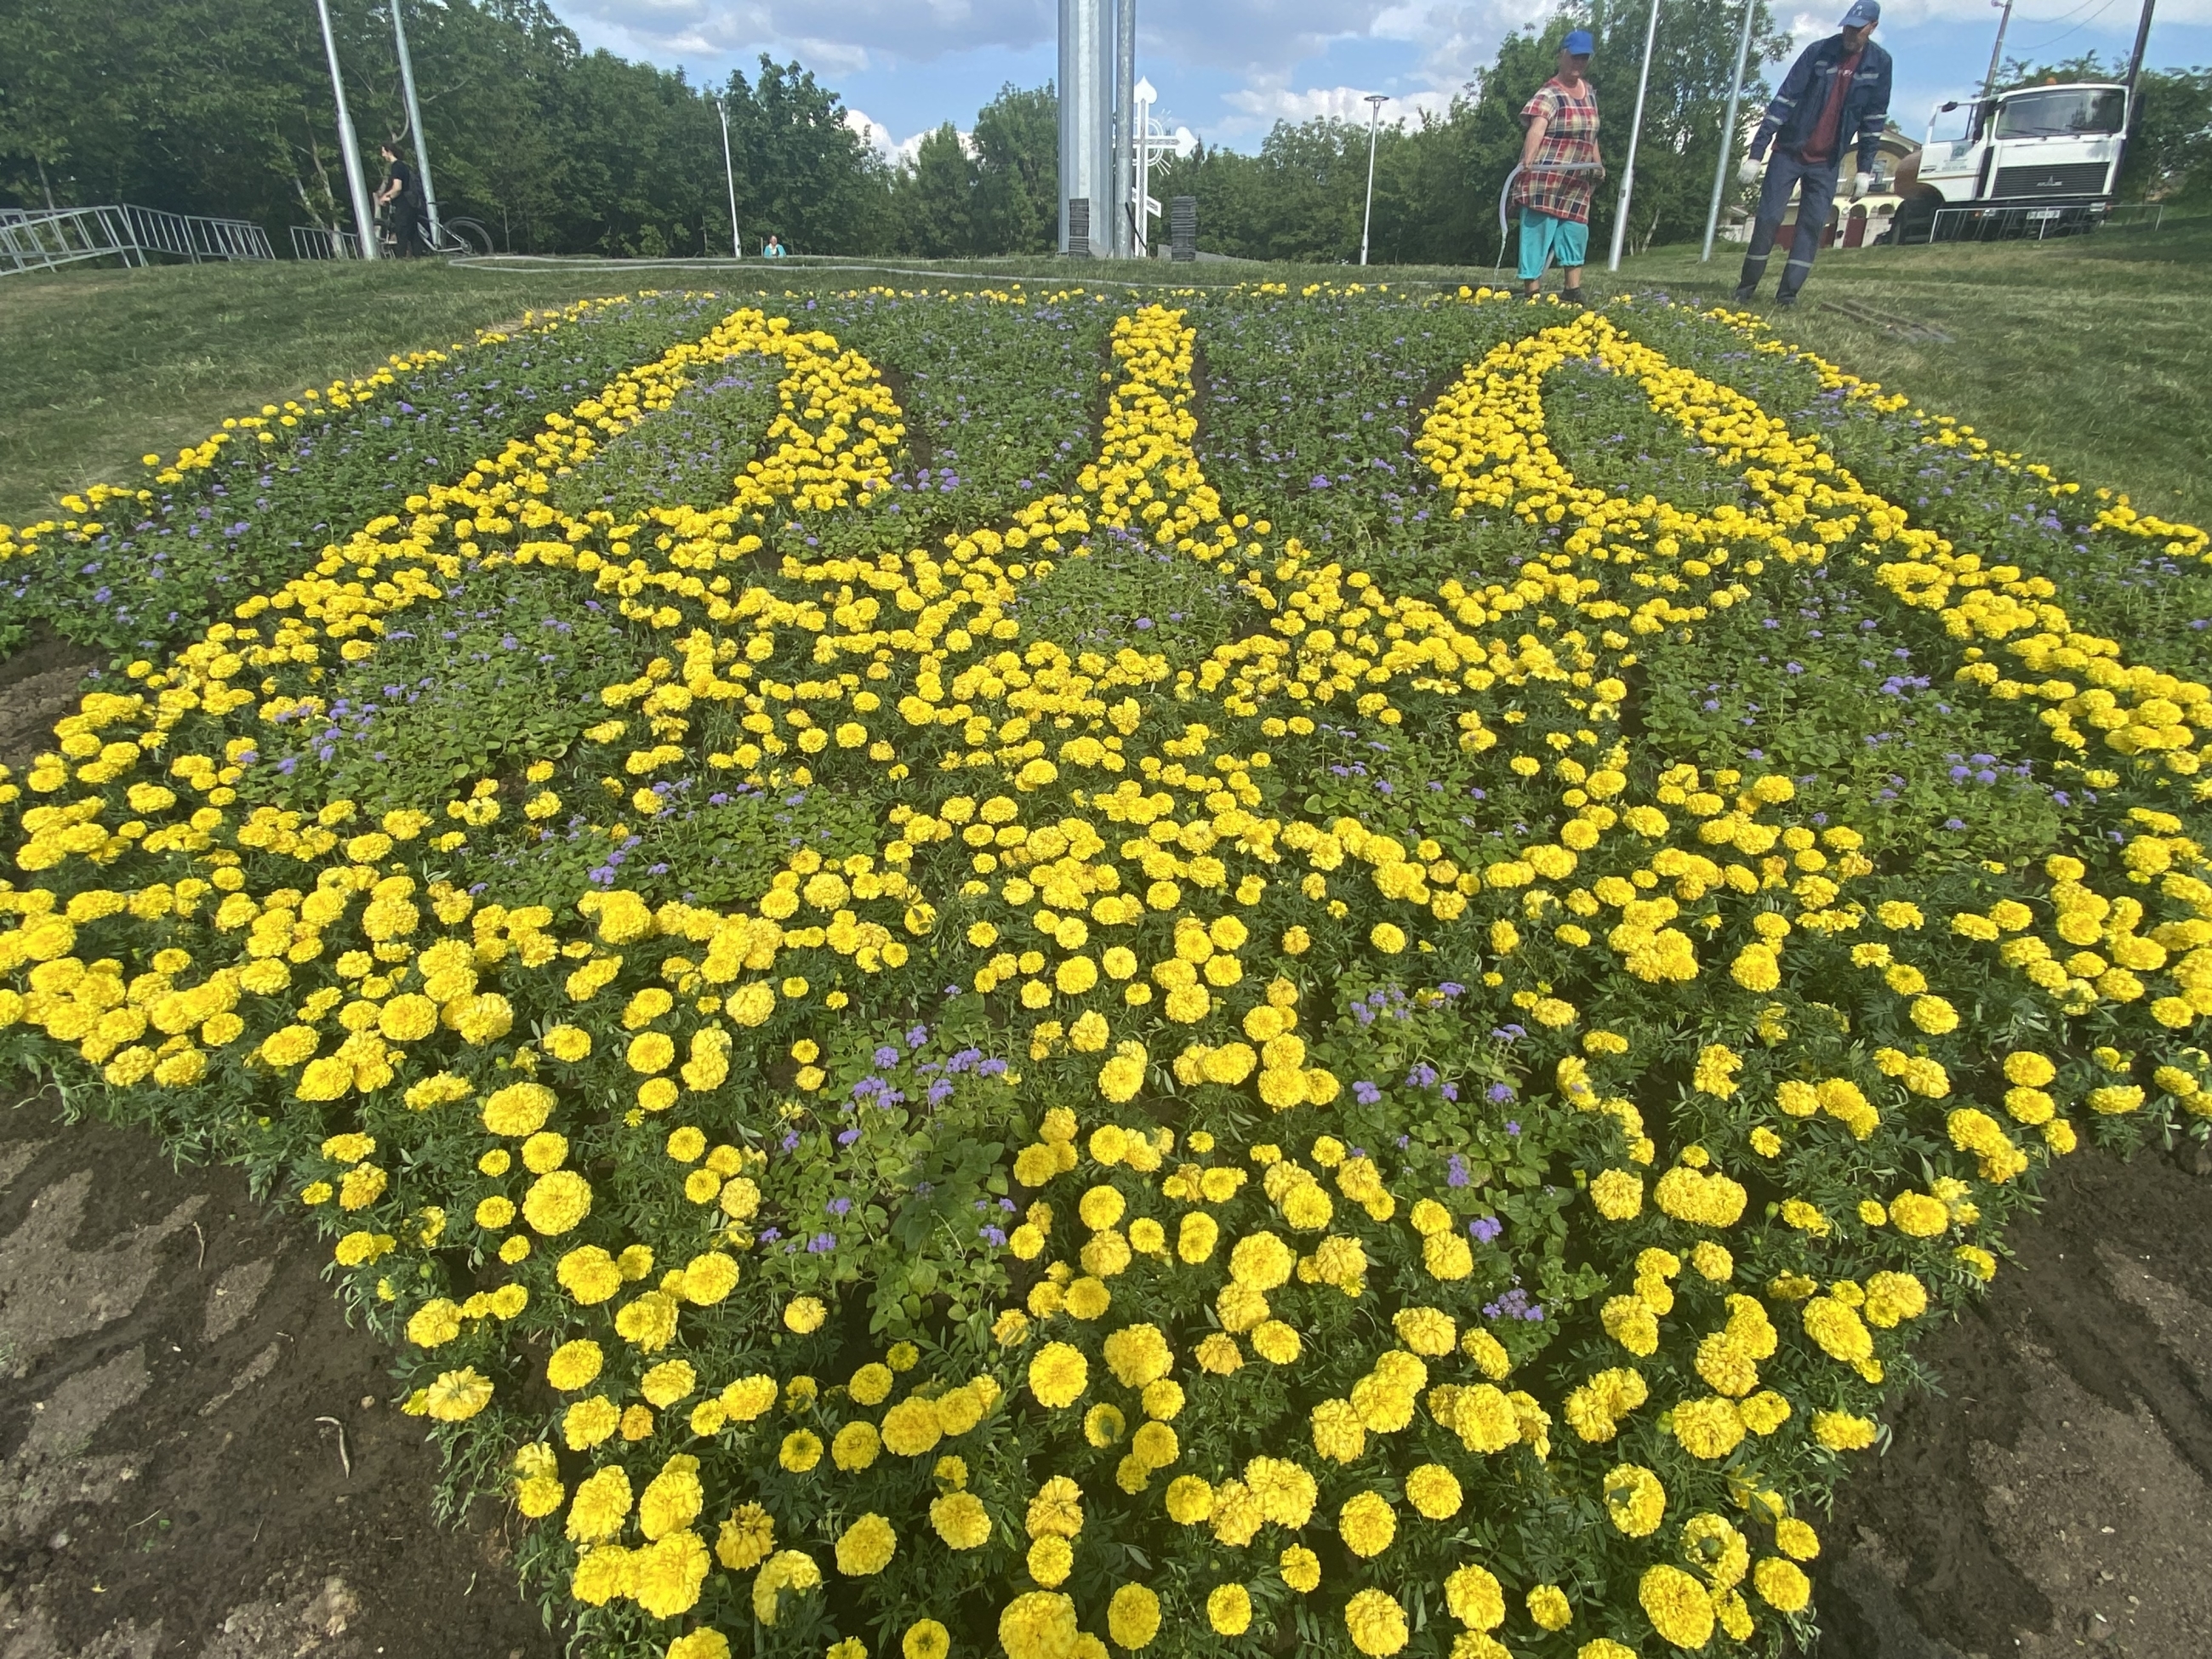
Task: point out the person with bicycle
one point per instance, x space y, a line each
1836 97
1559 169
400 201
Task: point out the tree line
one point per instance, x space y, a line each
224 106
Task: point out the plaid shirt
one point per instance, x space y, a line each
1569 135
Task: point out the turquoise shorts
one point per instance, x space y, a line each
1544 238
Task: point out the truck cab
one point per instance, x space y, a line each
2034 162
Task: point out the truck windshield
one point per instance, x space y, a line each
2062 114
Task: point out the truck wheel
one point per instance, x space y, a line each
1915 220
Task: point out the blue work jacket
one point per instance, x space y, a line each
1804 95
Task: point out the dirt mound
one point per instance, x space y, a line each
198 1456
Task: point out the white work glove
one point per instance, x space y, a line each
1861 184
1749 172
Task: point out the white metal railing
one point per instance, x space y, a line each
42 239
319 242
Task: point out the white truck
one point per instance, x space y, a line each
2034 162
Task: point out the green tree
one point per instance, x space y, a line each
1017 186
933 200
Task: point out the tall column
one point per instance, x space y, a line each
1086 164
1129 172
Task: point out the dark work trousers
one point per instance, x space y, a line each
1815 189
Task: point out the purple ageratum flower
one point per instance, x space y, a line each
1499 1093
993 1236
917 1036
939 1090
791 1142
1485 1228
1452 988
837 1207
847 1137
1449 1092
821 1244
770 1235
1512 1127
1365 1093
1457 1176
1421 1076
887 1055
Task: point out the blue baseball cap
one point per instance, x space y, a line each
1863 14
1579 43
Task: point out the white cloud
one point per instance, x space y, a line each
1269 102
899 152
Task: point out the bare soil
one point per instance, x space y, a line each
41 681
197 1456
2055 1496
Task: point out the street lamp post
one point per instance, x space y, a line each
349 146
1728 131
1635 132
1375 103
415 119
730 178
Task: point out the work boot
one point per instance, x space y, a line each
1786 302
1746 294
1571 296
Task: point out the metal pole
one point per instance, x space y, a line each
349 148
1997 51
1140 224
1635 132
415 119
2128 120
730 177
2135 57
1128 228
1375 103
1728 131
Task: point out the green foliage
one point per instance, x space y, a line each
226 109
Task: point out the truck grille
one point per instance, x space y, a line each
2067 178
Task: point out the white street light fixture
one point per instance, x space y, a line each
1375 103
349 146
1143 96
1635 132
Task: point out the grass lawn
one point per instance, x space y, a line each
2091 353
2094 354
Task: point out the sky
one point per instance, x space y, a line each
1229 70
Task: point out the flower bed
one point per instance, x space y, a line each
1355 998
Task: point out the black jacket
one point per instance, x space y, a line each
1796 108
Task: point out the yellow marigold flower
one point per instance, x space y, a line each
788 1571
1677 1605
1841 1432
1618 1194
804 1315
1132 1617
866 1547
1038 1625
671 1499
1434 1490
557 1202
1367 1523
1781 1585
601 1505
1548 1607
1301 1569
1049 1560
707 1644
1634 1499
1058 1374
1475 1597
588 1422
800 1451
1229 1609
1376 1622
961 1520
746 1538
573 1365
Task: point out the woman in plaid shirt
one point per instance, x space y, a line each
1554 200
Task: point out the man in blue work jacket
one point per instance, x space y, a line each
1835 97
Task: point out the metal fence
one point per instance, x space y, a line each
317 242
42 239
